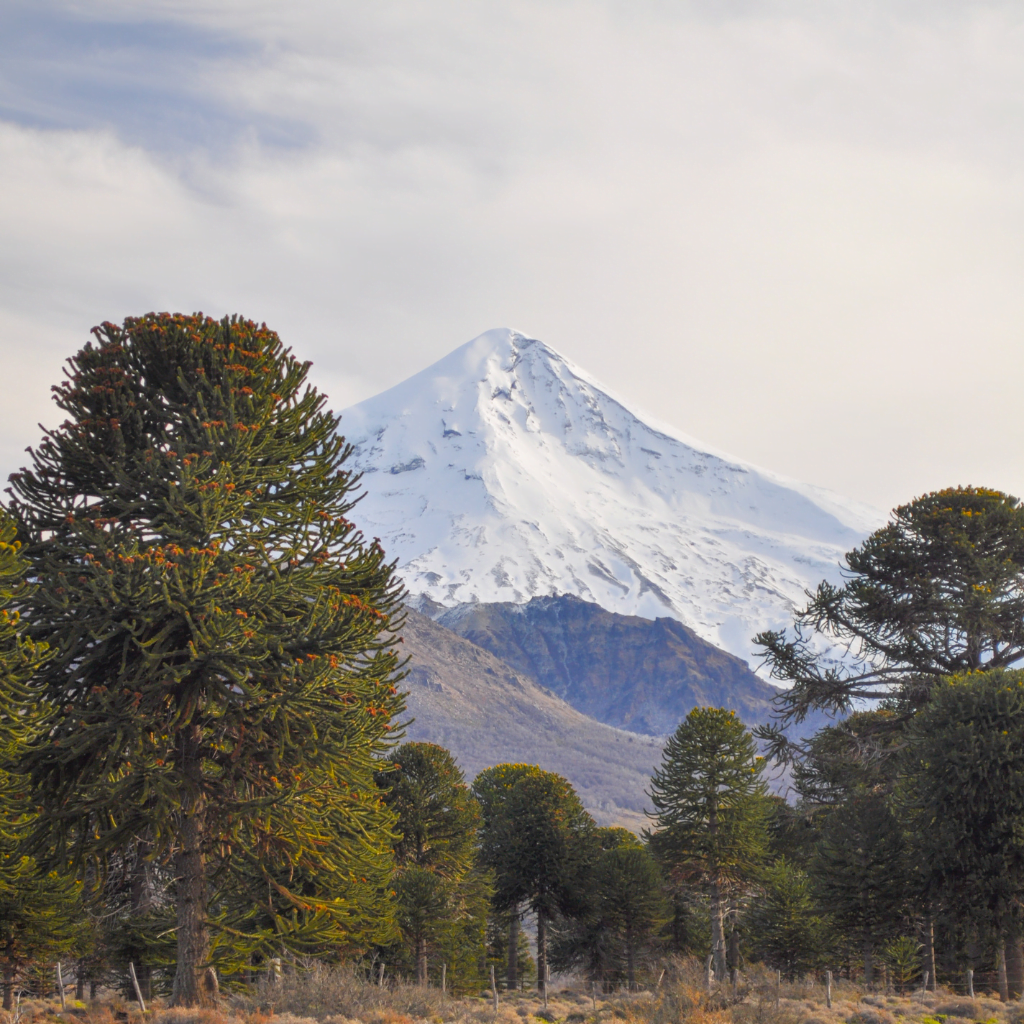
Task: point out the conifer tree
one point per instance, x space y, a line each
491 789
963 798
630 900
861 873
541 845
436 827
224 672
41 915
20 658
625 902
937 591
709 799
41 919
787 928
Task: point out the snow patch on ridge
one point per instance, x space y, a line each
504 472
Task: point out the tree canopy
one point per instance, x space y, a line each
541 846
937 591
437 822
963 791
710 809
224 674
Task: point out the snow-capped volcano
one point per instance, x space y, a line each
503 472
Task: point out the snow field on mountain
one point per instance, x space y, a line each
503 472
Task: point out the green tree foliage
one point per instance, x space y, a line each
630 901
437 816
497 951
492 786
491 789
792 832
20 658
787 930
963 793
436 834
625 906
41 915
902 956
860 871
41 919
848 758
541 846
224 676
709 799
937 591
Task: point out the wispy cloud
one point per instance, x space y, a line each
794 229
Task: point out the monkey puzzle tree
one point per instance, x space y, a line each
630 899
861 873
788 931
41 919
20 658
40 912
491 789
223 675
711 810
937 591
541 846
625 902
436 836
963 797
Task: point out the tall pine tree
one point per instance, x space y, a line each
541 846
436 842
41 914
491 789
937 591
709 800
962 796
224 673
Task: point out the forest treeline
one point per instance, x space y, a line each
200 773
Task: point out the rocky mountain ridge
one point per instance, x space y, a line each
622 670
486 713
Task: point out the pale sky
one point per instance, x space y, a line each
793 230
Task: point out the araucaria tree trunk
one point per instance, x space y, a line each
718 933
190 883
1014 968
8 985
630 960
1001 971
512 973
929 951
868 948
141 903
542 953
421 960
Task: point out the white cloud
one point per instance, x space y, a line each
795 230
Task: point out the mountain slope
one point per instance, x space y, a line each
503 473
622 670
469 701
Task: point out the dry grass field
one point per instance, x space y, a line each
337 997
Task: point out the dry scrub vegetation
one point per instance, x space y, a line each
337 996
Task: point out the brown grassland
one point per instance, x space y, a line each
336 996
